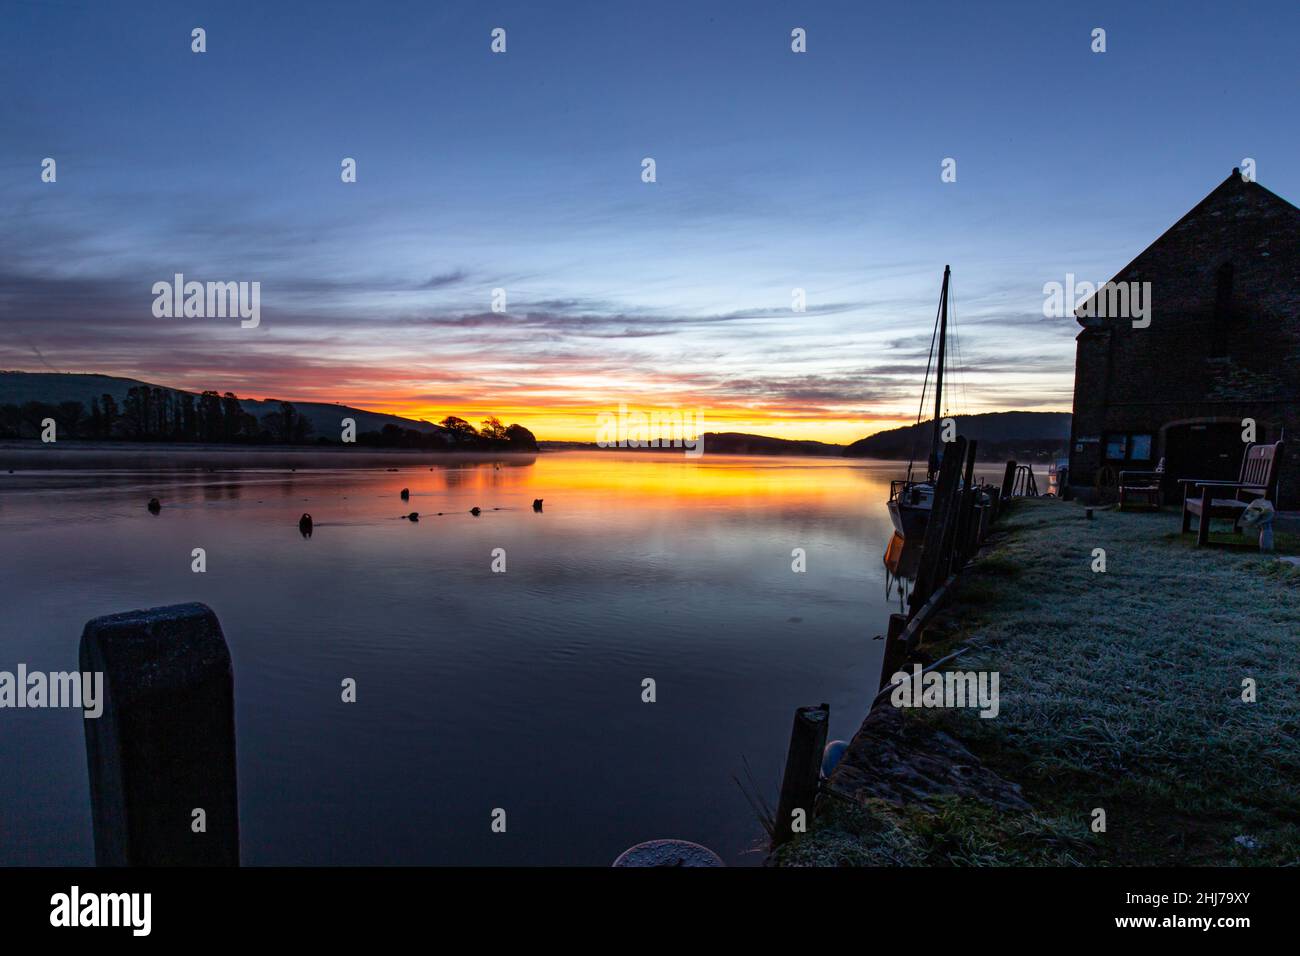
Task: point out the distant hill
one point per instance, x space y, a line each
739 443
18 388
1025 436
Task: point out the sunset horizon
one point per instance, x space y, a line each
565 422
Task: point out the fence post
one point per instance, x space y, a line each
803 764
164 745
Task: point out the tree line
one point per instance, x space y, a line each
460 436
156 414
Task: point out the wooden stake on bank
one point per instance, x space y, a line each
803 766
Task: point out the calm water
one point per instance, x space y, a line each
476 689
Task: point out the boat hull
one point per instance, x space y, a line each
903 554
909 520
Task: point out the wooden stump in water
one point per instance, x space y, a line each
164 745
803 764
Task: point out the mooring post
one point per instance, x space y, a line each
960 549
162 754
803 766
932 566
895 649
1009 480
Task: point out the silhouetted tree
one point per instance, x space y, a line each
211 422
111 415
159 404
521 438
286 425
232 417
188 418
458 425
135 412
11 419
69 416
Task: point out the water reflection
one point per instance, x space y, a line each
476 688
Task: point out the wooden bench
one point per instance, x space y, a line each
1258 479
1143 486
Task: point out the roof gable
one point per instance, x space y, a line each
1234 196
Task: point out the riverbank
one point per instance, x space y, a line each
1120 691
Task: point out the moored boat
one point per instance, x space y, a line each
911 500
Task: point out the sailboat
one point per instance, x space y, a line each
912 499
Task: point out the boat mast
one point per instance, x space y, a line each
938 379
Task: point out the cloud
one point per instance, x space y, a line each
445 280
338 325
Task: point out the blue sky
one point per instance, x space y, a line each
523 171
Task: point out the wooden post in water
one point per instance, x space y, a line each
164 746
895 649
803 765
933 563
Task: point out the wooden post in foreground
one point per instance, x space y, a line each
164 746
803 766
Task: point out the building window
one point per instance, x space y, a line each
1128 447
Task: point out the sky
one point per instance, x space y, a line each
523 171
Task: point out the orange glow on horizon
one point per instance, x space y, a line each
571 412
581 425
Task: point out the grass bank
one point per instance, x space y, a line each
1120 690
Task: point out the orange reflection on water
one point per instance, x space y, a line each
657 479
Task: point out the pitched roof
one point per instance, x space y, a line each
1233 190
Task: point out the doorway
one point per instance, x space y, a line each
1209 450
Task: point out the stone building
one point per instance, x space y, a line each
1219 344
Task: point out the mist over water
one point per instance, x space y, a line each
475 690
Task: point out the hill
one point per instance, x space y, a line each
51 388
739 443
1025 436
